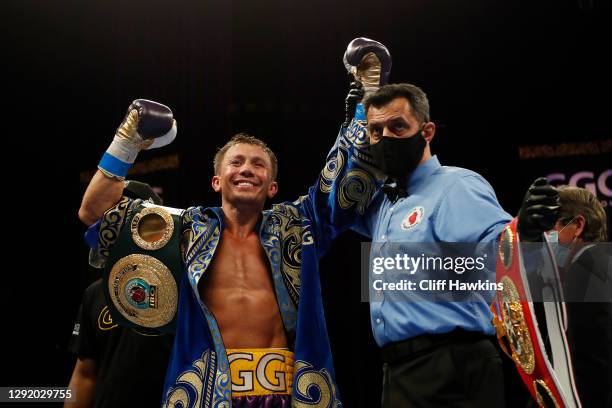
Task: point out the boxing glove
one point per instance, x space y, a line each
147 125
369 62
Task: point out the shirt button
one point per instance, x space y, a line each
391 209
382 236
377 321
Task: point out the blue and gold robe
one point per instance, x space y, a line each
294 235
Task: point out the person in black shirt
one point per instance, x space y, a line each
116 366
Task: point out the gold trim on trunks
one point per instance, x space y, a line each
152 228
516 327
143 290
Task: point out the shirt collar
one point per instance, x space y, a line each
423 171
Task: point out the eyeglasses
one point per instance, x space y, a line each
565 226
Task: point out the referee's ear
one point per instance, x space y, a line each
429 131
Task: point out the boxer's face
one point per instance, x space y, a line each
395 119
245 175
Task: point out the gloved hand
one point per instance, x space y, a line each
354 96
370 63
147 125
539 211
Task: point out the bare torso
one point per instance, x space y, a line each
237 288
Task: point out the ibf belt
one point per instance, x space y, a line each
260 371
143 269
518 331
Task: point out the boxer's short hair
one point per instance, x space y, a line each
245 138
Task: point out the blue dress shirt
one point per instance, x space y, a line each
444 204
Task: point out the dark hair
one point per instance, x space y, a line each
579 201
414 95
245 138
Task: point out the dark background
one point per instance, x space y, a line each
499 75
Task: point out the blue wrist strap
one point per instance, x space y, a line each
113 165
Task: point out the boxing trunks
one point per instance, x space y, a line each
261 378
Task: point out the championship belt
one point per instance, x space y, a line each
144 269
549 380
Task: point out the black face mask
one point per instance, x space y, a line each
396 157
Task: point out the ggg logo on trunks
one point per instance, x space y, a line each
140 294
413 218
